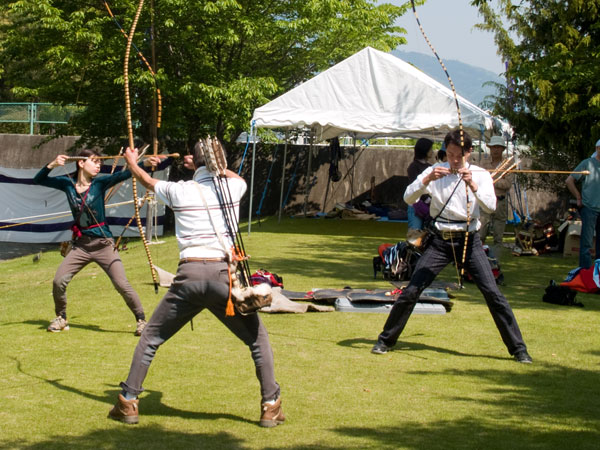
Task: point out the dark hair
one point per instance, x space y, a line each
422 148
453 137
441 154
86 152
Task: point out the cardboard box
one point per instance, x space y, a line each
572 239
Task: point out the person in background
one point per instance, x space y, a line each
496 221
422 153
441 156
202 282
92 239
445 183
588 202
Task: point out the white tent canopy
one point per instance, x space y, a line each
373 94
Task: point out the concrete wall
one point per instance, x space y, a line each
385 165
22 151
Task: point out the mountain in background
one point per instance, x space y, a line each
468 80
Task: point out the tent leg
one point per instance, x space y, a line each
282 177
353 166
252 183
307 183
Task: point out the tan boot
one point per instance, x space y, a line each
271 415
125 410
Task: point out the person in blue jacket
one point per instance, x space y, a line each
92 239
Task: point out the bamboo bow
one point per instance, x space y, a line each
462 143
131 140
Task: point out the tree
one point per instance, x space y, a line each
216 60
552 49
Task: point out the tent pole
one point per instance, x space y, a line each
307 185
283 176
353 166
252 182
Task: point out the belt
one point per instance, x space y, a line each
186 260
500 197
447 235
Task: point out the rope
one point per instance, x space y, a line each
50 216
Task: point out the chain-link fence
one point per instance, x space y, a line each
34 114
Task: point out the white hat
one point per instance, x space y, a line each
499 141
598 143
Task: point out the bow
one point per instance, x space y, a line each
462 142
131 141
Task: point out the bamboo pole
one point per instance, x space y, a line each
583 172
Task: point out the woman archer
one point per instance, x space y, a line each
92 239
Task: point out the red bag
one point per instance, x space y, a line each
262 276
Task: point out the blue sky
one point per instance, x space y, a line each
449 26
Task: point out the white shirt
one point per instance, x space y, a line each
455 211
193 228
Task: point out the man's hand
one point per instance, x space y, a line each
188 162
467 176
437 173
131 156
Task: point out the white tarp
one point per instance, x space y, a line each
42 214
373 94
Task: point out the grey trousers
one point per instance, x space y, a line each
196 286
101 251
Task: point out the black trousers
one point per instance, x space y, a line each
437 256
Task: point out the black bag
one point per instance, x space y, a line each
396 262
560 295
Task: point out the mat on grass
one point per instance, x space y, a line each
368 298
344 305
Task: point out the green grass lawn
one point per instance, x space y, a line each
449 383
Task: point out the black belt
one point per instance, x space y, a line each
500 197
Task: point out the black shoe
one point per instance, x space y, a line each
523 357
380 348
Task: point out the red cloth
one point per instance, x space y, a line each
583 281
382 248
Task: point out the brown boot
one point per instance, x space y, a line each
271 415
125 410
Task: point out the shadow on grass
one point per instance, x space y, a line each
42 325
362 344
547 406
150 402
135 437
303 337
467 433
